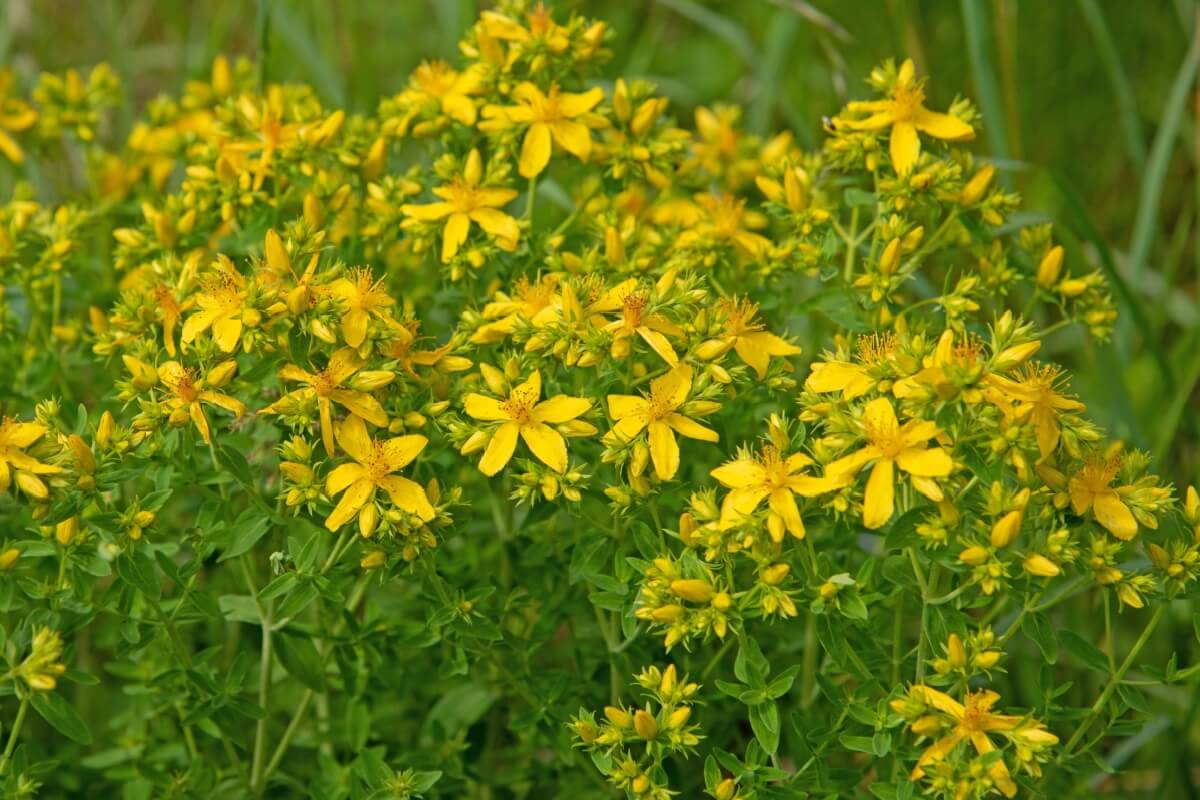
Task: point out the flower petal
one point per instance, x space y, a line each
664 450
357 496
353 437
560 408
740 473
1114 515
943 126
932 463
485 408
499 449
399 451
905 147
535 150
547 444
408 495
342 476
879 500
454 234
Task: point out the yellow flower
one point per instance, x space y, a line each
440 83
326 386
15 116
775 478
652 328
373 468
15 437
723 219
271 133
658 413
745 336
41 668
891 445
169 309
532 301
464 201
521 414
554 116
402 348
1091 489
905 113
362 297
972 722
1035 391
223 307
850 378
187 395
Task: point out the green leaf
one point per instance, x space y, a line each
245 532
750 665
858 197
138 570
764 721
299 657
1084 651
859 744
58 712
1037 628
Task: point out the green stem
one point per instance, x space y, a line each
14 733
808 669
356 595
851 246
1113 683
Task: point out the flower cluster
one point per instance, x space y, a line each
522 342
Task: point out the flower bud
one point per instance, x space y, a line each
697 591
774 574
1040 566
373 560
1050 267
9 558
645 725
1006 529
974 556
974 189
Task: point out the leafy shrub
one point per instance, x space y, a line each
468 449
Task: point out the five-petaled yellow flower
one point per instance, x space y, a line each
891 445
15 436
522 415
972 722
362 297
464 201
223 307
905 113
746 337
1091 489
775 478
658 414
373 468
1035 391
652 328
187 395
326 386
552 117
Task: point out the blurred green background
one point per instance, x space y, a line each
1089 108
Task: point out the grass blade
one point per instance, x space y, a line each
1106 48
1145 224
987 88
720 26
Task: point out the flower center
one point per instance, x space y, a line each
906 101
519 405
885 435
